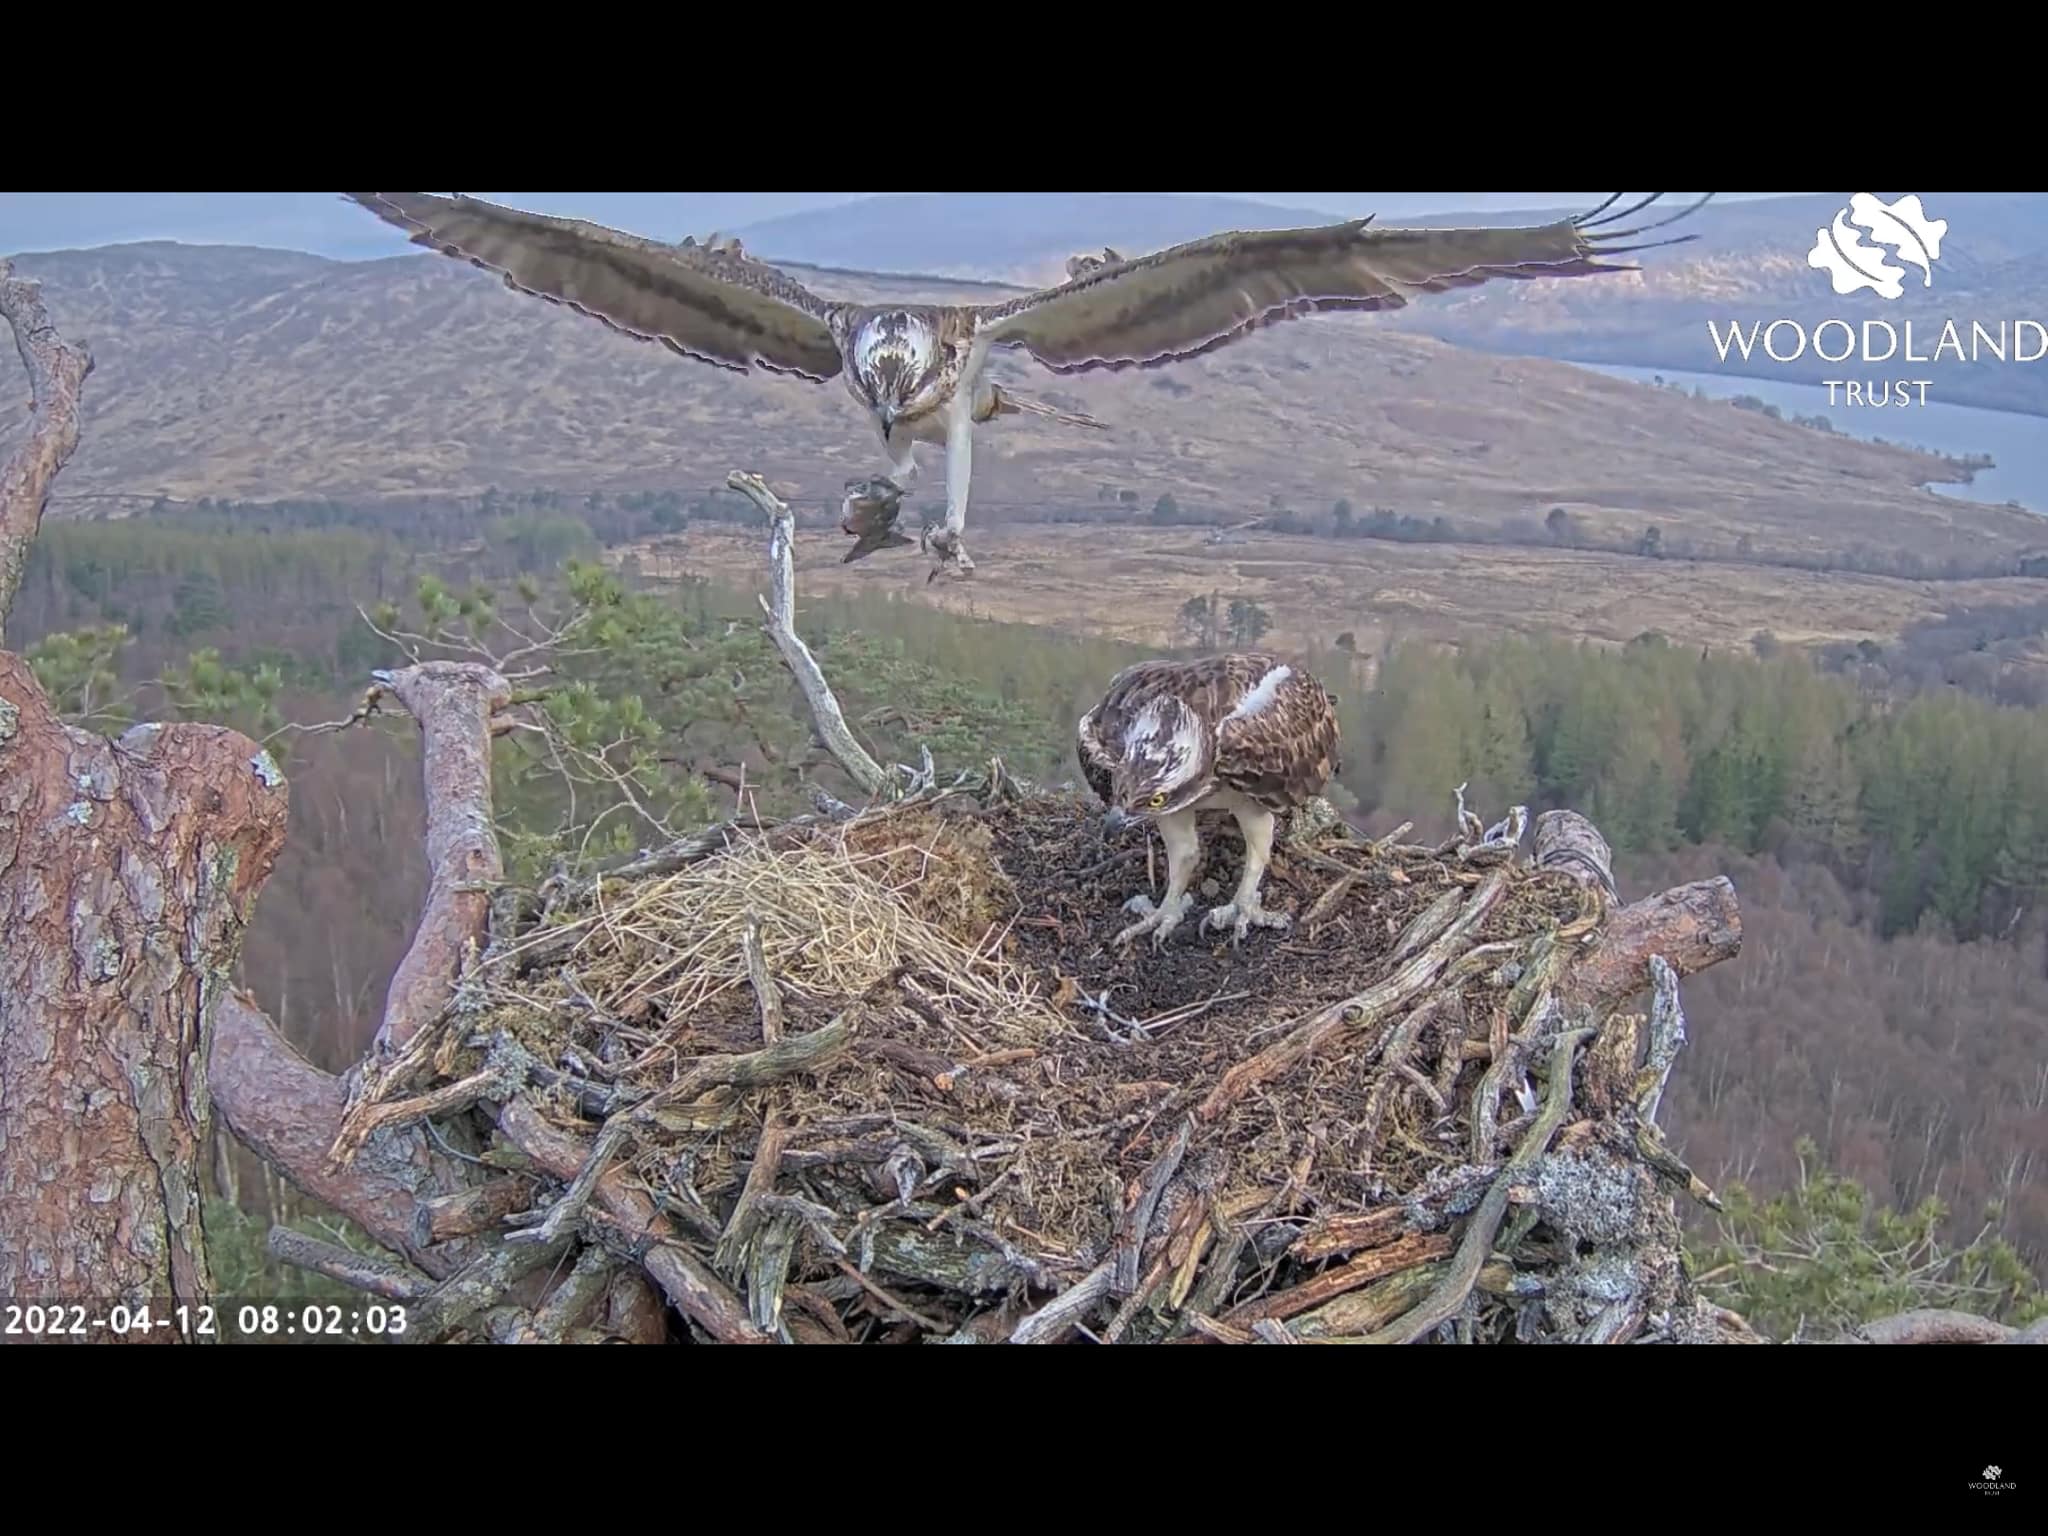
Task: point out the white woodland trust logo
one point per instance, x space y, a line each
1991 1483
1854 264
1868 251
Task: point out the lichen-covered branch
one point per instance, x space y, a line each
1443 1302
781 626
57 371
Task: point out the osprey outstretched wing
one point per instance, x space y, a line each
716 305
918 370
1192 298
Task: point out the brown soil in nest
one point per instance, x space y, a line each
1072 883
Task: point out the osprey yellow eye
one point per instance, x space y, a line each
1158 801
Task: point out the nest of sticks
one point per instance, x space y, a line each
886 1080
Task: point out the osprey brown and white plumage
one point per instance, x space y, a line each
918 369
1244 733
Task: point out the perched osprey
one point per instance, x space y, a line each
918 369
1244 733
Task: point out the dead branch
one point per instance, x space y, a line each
469 1212
1354 1015
1050 1322
1691 926
477 1287
781 627
576 1296
688 1283
766 994
57 371
273 1100
1139 1207
1667 1035
378 1277
1375 1264
454 704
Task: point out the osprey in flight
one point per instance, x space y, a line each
918 369
1243 733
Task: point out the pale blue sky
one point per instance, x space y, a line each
323 223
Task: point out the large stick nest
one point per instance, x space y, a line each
886 1080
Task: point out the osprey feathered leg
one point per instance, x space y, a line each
943 543
1183 854
1242 912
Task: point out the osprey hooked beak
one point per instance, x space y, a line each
888 415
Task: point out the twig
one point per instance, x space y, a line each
765 991
469 1212
801 1053
1065 1310
697 1293
1374 1264
585 1283
1393 1060
729 1258
1143 1201
928 1324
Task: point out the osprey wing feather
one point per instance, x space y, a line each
1278 742
1194 297
716 306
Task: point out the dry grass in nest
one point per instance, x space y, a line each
835 916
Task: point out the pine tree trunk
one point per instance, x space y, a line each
128 871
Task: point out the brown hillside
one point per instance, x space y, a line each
256 374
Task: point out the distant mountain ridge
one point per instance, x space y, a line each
256 374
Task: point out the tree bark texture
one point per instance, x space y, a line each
56 372
289 1112
454 703
128 872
